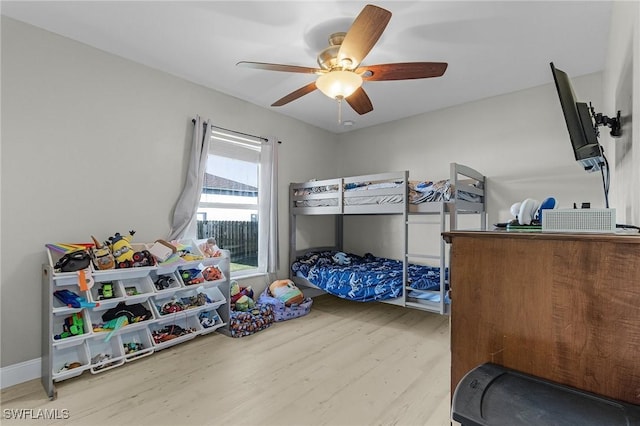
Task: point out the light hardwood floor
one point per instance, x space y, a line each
346 363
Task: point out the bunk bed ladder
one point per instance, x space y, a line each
439 307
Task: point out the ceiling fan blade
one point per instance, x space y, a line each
279 67
360 102
363 34
402 71
295 94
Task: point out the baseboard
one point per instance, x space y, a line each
20 372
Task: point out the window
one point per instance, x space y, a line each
235 197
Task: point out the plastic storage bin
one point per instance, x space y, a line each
65 321
174 330
70 361
165 284
494 395
184 301
137 290
106 293
105 355
95 317
188 255
136 344
209 320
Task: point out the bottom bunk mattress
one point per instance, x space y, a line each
362 278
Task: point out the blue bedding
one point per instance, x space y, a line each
362 278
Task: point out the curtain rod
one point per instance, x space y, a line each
235 131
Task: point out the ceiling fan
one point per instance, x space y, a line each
341 73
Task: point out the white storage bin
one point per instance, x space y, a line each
95 293
105 355
160 330
210 253
188 255
191 275
137 290
212 271
59 308
136 344
54 255
76 356
124 273
58 324
95 316
213 294
209 320
157 303
183 299
169 283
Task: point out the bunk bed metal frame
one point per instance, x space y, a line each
329 197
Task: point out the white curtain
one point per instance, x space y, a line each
268 224
183 224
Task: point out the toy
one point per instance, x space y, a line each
72 262
529 211
191 276
341 258
170 332
244 303
211 273
106 291
73 326
102 257
241 297
184 252
132 347
162 250
208 318
237 292
210 248
286 291
164 282
72 300
125 255
131 291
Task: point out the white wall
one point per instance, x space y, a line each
622 92
93 144
519 141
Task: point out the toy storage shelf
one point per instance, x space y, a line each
91 350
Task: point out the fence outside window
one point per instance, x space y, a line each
239 237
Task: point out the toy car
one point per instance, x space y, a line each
106 291
191 276
139 258
163 282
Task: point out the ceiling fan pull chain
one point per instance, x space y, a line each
339 110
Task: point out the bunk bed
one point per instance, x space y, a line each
407 282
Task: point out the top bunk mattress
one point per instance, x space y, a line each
360 194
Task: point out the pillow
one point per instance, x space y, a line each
286 291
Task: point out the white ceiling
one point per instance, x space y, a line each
491 47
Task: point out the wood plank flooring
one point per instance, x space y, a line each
346 363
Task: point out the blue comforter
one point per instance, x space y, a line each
362 278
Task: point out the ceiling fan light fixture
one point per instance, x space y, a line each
339 84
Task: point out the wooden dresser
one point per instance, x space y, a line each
564 307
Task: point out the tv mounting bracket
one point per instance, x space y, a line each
603 120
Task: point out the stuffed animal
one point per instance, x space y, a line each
237 293
341 258
244 303
286 291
